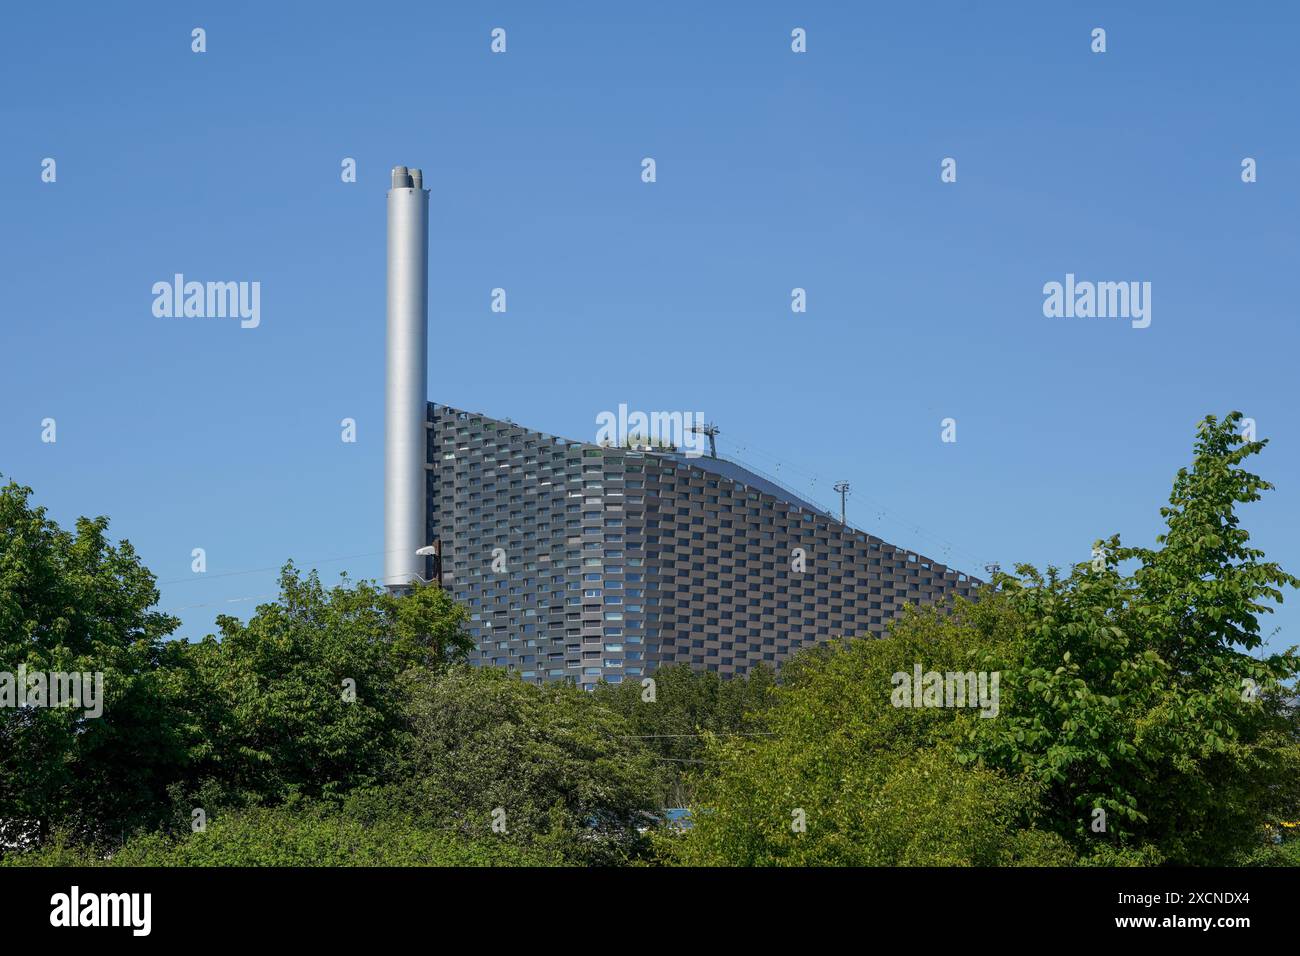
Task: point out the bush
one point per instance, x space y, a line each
562 768
293 836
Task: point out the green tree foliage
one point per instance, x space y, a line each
671 716
346 697
339 725
1279 846
307 835
560 764
1133 692
1127 691
73 602
306 698
872 784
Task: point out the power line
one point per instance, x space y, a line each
305 561
882 513
238 600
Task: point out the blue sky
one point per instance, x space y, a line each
775 170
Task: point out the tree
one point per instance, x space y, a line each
306 698
1133 692
74 602
490 756
1132 725
671 716
846 778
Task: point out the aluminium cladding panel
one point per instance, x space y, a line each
542 502
629 560
731 594
406 385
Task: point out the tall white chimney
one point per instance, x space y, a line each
408 374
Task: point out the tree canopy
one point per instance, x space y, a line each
1133 723
1119 711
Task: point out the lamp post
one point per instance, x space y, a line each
427 551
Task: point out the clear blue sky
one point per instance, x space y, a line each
775 170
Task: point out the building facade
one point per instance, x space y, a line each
581 562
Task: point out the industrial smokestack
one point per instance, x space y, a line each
408 373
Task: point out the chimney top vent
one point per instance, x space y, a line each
404 178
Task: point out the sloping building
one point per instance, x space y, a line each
582 562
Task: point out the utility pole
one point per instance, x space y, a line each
843 488
712 431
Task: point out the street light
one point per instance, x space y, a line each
427 551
